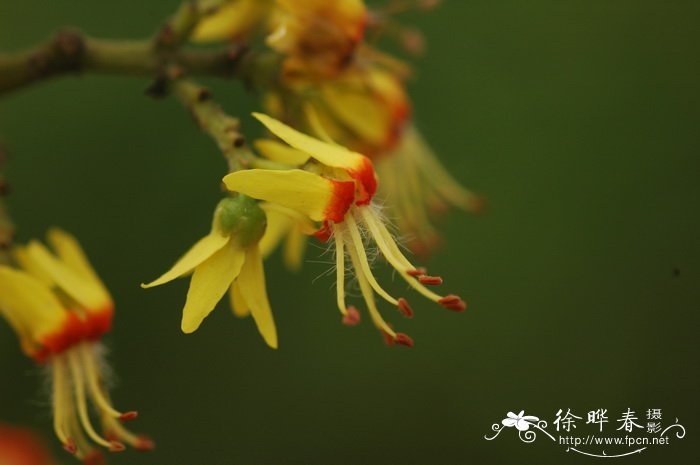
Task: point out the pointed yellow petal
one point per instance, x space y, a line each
294 248
71 253
83 291
233 20
21 256
238 304
317 197
357 165
301 222
278 225
210 281
251 283
328 154
29 305
203 249
361 111
280 153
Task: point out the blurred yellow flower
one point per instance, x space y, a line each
418 188
234 20
365 108
60 309
317 37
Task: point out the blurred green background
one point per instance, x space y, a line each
578 120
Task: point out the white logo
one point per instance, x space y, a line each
593 443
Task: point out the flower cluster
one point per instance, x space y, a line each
337 87
342 160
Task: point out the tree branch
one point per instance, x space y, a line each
223 128
71 52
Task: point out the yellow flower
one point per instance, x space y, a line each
317 37
234 20
336 187
227 259
60 309
365 108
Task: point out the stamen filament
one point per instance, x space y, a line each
96 391
340 269
362 256
79 386
83 447
392 253
60 393
366 290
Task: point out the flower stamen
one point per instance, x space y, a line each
362 255
430 280
81 401
340 272
368 295
59 405
405 308
95 390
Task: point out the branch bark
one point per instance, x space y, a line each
71 52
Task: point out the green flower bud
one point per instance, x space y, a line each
241 218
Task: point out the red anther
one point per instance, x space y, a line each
352 318
116 446
403 339
144 443
129 415
430 280
417 272
94 457
70 446
453 302
405 308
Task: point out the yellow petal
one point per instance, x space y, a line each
85 292
21 256
301 222
317 197
71 253
233 20
29 305
238 304
357 165
328 154
278 225
251 283
210 281
203 249
280 153
363 113
294 248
